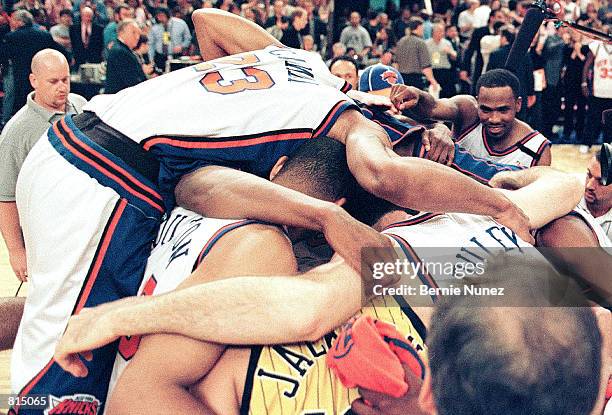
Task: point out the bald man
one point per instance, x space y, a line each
50 100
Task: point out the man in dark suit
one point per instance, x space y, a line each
474 47
291 36
87 38
18 47
123 69
497 60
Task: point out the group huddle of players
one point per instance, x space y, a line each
244 175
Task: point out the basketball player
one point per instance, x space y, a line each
139 143
486 126
178 376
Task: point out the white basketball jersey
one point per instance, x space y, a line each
255 92
183 241
468 238
524 153
597 225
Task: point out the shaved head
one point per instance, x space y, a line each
50 79
48 59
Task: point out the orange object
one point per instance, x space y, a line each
369 354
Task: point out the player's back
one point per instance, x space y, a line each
259 93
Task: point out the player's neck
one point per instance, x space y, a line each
516 134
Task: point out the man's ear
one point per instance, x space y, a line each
341 201
278 166
519 104
426 398
33 80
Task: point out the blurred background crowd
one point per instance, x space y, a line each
439 45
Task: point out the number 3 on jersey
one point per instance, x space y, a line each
232 81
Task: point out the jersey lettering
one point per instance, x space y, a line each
294 359
288 393
181 246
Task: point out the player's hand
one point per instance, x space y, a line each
90 329
360 246
404 97
514 218
439 144
376 403
19 263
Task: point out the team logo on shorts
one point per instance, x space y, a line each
77 404
389 77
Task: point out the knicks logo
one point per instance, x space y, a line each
344 342
78 404
389 77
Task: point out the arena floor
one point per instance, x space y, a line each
565 157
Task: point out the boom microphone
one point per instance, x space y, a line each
531 24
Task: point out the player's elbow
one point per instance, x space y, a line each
314 320
378 179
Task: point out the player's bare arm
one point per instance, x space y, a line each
461 110
11 231
562 237
544 194
221 192
165 365
221 33
202 312
415 183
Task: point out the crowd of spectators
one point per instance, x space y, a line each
444 49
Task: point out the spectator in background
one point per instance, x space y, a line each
54 9
490 43
297 22
551 47
345 68
482 13
452 35
574 57
356 36
123 69
314 27
474 48
524 72
309 43
413 57
600 93
278 18
97 6
372 24
338 49
51 99
18 48
61 31
170 37
401 24
120 13
442 53
467 19
140 13
86 38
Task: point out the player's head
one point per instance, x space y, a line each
345 68
318 169
511 360
598 187
498 102
50 78
378 79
